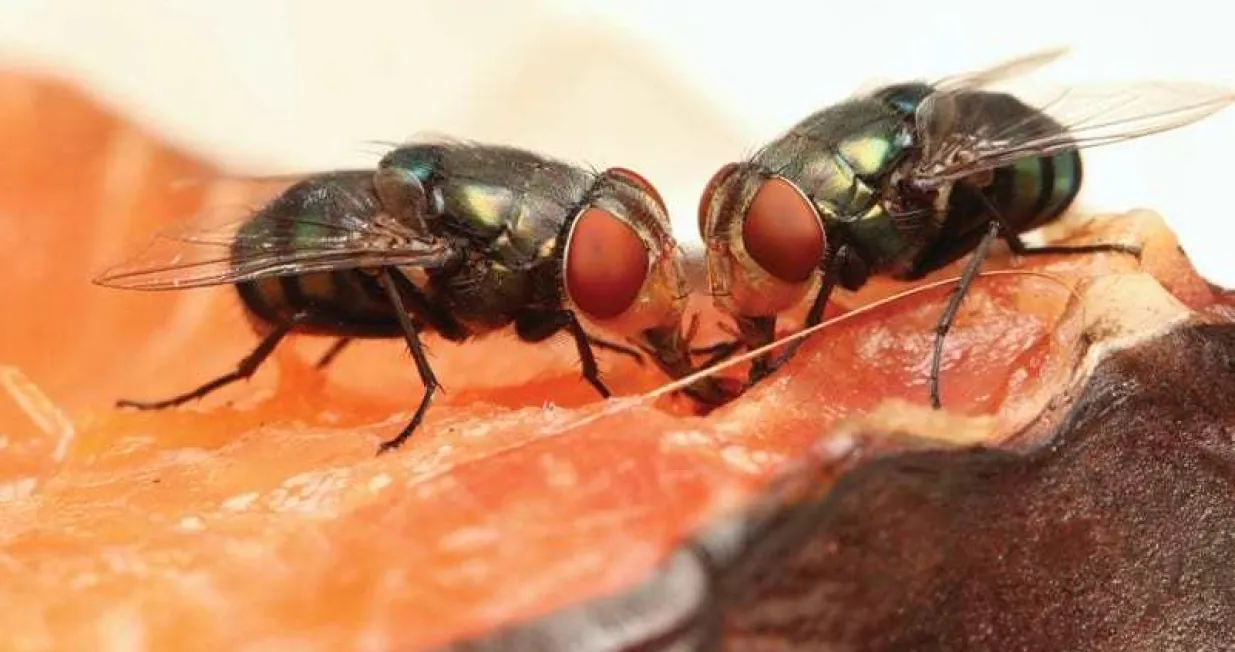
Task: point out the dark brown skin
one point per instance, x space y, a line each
1118 537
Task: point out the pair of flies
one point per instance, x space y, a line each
464 239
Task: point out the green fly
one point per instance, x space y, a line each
455 238
910 177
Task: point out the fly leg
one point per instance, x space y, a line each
754 332
716 352
606 345
387 280
998 227
1019 247
333 352
831 274
247 367
586 359
954 305
539 326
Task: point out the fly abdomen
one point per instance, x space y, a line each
1033 191
347 303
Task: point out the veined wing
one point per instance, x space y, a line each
964 131
1003 71
979 78
320 222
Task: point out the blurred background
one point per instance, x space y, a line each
672 89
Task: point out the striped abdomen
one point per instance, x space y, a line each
1033 191
346 303
1028 194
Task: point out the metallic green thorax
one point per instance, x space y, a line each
510 207
843 158
501 199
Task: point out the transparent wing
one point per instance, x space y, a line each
1003 71
978 78
965 131
321 222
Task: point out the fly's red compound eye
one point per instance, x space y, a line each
709 192
606 264
782 232
635 179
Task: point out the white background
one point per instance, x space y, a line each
672 89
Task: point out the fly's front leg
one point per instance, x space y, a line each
755 332
388 281
622 349
831 274
539 326
836 261
716 352
587 359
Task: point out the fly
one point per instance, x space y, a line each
908 178
455 238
